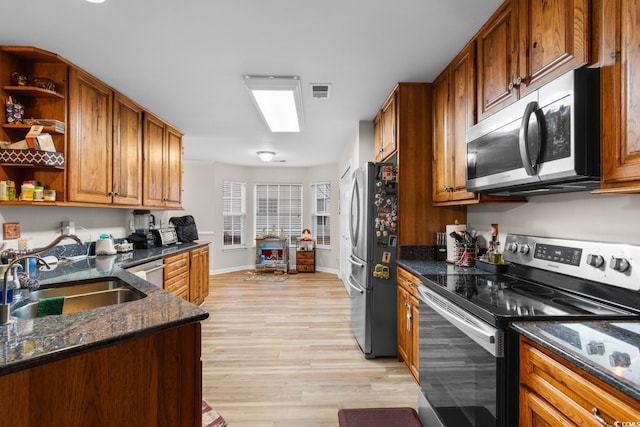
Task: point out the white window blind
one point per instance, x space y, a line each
234 196
279 206
321 213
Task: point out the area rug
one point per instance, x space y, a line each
265 277
210 418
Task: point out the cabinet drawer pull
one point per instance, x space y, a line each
599 418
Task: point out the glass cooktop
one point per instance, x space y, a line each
506 296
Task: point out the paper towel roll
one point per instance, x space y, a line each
451 242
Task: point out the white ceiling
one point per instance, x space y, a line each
184 60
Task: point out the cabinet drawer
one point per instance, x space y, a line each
175 265
178 285
305 268
304 255
570 390
408 281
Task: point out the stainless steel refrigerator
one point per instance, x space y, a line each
372 282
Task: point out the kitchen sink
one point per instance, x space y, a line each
82 302
77 288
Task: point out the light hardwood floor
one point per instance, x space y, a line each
282 354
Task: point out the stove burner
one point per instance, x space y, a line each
531 289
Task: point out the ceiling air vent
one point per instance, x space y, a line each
321 90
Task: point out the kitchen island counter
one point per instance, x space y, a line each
562 339
31 342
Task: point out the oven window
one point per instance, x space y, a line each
457 376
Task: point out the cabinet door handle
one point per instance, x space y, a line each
598 418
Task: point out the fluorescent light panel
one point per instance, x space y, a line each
279 101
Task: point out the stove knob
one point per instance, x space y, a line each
595 348
618 359
512 247
524 249
595 260
619 264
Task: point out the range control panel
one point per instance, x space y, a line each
615 264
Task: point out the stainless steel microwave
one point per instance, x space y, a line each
546 142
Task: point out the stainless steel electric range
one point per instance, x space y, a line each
469 356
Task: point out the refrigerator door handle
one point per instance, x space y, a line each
355 262
355 286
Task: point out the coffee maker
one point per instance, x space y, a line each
143 223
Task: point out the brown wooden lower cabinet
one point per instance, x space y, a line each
148 381
408 320
176 275
556 393
306 261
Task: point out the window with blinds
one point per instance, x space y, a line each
279 207
321 213
234 196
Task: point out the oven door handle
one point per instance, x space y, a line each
482 333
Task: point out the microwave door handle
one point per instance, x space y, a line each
531 167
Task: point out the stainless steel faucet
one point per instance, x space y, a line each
5 304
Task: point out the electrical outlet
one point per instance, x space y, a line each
68 227
10 230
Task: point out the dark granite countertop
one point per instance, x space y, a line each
620 340
420 267
31 342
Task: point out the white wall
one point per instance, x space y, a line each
42 223
202 198
583 216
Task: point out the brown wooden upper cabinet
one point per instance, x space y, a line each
454 107
90 154
620 110
385 132
526 44
162 164
105 144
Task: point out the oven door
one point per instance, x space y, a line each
461 366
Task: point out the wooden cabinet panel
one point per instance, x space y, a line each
408 316
377 136
90 151
497 61
553 39
619 86
127 151
178 285
454 113
199 275
176 264
389 131
554 392
153 380
173 169
526 44
162 183
418 219
176 275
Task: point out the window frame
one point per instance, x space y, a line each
289 231
322 240
227 200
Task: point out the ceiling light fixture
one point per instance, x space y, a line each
266 156
95 1
279 100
